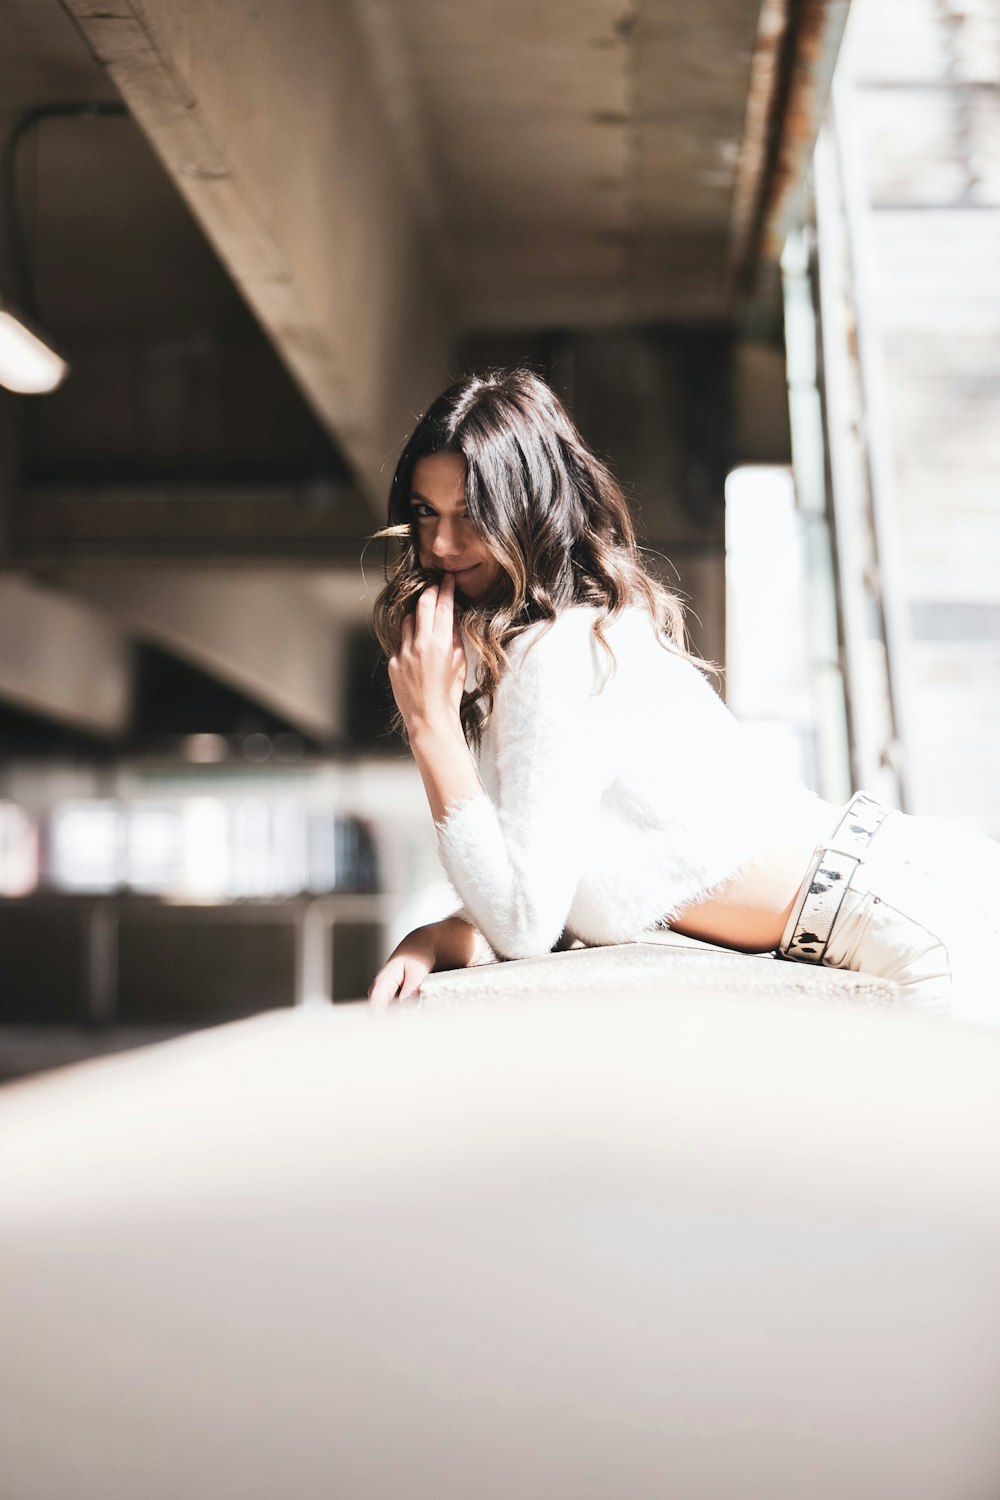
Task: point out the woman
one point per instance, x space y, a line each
584 778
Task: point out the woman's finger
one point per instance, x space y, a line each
386 985
444 615
405 637
426 605
415 973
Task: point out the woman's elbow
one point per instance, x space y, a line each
522 937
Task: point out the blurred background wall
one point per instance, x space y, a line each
262 238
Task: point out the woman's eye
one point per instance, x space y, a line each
421 511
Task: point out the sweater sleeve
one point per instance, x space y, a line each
516 859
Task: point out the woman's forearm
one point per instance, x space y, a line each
456 944
446 766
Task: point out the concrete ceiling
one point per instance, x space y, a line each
578 159
266 266
572 163
381 177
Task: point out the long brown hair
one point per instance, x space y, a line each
551 513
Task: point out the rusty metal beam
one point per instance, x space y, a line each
790 80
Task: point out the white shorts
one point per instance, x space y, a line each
915 900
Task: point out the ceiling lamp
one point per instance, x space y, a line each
28 364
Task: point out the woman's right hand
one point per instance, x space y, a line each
405 970
427 673
452 943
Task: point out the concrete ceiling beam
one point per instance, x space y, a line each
279 643
310 523
62 659
268 120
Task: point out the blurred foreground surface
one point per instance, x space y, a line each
578 1246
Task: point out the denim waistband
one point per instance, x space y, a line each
821 895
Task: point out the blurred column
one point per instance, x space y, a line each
313 955
914 158
831 698
862 505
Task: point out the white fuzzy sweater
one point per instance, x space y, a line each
605 809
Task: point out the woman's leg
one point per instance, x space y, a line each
890 926
919 904
947 879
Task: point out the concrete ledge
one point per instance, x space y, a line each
665 964
643 1246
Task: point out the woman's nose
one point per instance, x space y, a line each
444 541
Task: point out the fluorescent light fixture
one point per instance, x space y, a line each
28 364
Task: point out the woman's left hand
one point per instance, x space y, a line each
428 671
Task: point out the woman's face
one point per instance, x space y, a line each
447 542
